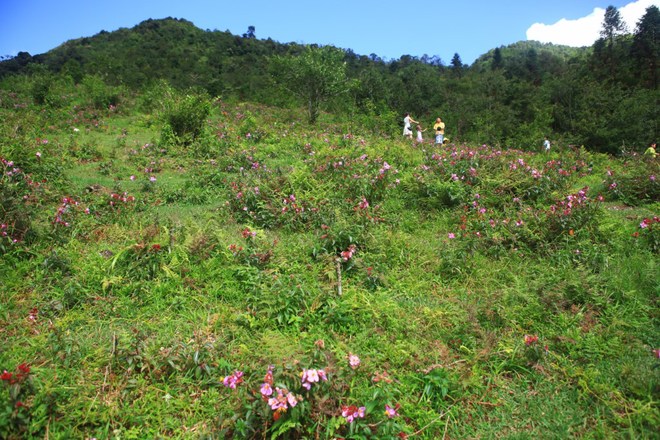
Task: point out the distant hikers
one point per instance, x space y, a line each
439 128
407 121
546 144
420 139
651 152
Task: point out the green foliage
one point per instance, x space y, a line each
156 289
184 118
315 75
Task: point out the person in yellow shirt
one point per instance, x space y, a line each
439 128
650 151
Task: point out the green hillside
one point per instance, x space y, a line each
211 236
256 277
603 97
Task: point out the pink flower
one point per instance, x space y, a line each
451 235
308 377
266 390
38 154
233 380
392 411
352 412
353 361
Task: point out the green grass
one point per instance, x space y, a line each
131 317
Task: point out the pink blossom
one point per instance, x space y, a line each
233 380
309 377
352 412
266 390
392 412
451 235
353 361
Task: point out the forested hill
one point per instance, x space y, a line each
604 97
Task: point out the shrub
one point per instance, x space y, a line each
184 118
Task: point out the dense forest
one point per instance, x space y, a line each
604 97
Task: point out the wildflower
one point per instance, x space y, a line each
392 412
24 369
348 253
38 154
248 234
233 380
451 235
266 389
152 179
132 177
6 376
352 412
531 339
353 361
76 130
656 353
308 377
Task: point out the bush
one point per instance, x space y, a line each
184 118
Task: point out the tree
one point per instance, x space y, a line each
316 75
457 65
646 45
612 25
250 32
497 59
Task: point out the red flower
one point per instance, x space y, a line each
24 368
6 375
530 339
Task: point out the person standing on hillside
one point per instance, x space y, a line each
651 151
546 144
407 121
420 138
439 128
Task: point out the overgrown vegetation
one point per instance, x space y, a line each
604 97
179 266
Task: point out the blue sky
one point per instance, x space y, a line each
387 28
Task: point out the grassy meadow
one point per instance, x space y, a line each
269 279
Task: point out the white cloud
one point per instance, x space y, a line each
585 31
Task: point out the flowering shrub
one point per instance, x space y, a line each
520 225
280 404
649 233
16 388
635 185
